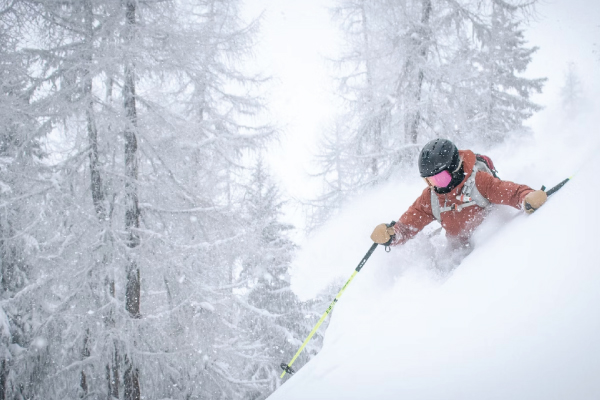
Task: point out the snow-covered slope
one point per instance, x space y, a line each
519 318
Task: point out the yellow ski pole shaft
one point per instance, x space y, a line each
287 368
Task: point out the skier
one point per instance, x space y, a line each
461 185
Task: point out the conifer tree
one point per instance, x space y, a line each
274 321
419 69
24 184
571 92
148 114
502 96
337 174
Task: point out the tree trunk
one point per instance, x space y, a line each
132 212
112 376
490 133
131 382
3 375
96 186
131 386
96 180
85 353
414 120
374 126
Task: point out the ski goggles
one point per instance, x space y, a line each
440 180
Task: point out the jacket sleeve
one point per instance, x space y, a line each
414 219
498 191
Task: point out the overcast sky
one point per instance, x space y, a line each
566 31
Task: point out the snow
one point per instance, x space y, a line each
518 318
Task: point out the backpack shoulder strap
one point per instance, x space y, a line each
435 205
470 190
469 193
488 163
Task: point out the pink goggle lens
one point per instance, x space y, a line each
440 180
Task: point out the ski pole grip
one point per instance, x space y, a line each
392 237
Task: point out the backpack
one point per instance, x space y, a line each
470 196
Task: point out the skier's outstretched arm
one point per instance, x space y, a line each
498 191
410 223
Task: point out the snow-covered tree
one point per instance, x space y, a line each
337 174
273 322
418 69
571 93
24 184
372 122
499 96
149 116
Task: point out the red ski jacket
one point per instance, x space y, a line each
459 224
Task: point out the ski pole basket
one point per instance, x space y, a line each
287 368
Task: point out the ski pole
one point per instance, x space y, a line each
552 190
557 187
287 368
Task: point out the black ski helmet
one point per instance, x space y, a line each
438 155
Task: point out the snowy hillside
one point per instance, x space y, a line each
519 318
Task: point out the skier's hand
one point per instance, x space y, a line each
383 234
534 200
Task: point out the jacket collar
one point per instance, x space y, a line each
468 159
